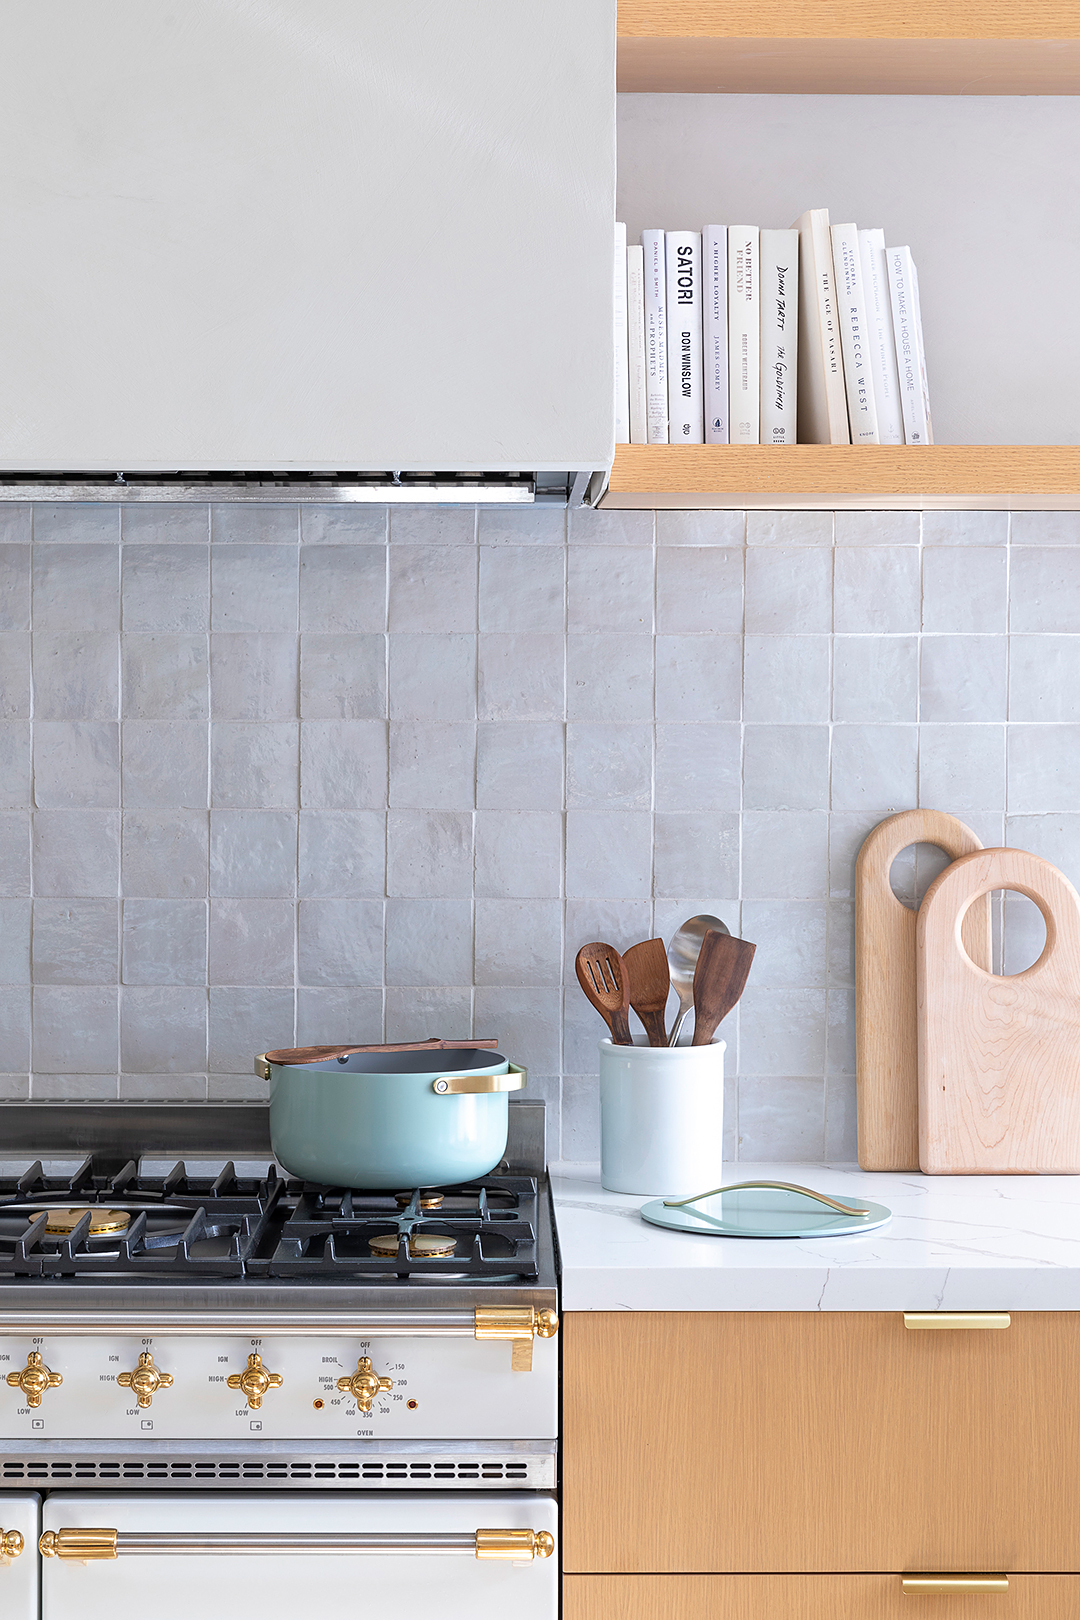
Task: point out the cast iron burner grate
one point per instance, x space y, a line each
182 1226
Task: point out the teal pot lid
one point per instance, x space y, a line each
768 1210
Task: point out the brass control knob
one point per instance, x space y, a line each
146 1380
11 1544
364 1384
255 1381
34 1379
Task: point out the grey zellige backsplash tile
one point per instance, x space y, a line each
272 776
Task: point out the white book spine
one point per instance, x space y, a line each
922 354
656 393
882 346
779 288
715 335
823 417
854 335
686 419
635 327
744 336
902 294
622 369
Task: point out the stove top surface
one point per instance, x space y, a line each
181 1222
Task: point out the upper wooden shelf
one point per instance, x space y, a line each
855 477
850 47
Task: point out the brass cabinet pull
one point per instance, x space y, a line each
11 1544
956 1319
79 1545
954 1583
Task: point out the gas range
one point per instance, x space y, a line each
175 1309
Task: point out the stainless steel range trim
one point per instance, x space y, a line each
380 1465
197 1324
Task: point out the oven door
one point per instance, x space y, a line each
250 1556
20 1526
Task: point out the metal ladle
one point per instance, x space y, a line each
682 955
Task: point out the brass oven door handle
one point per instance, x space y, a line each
913 1584
79 1545
917 1320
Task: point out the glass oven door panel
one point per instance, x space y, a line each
439 1574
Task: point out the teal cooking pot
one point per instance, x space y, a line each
391 1119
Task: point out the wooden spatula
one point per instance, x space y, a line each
605 981
646 967
719 981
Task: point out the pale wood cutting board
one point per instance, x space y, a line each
886 1023
999 1057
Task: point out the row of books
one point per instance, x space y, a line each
737 335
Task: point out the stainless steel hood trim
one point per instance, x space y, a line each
379 489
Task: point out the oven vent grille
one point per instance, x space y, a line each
536 1472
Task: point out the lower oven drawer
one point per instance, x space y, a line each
811 1597
250 1556
20 1525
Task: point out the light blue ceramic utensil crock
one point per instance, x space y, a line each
391 1119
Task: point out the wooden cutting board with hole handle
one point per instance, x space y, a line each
999 1057
886 1021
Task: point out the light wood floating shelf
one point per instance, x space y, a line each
826 477
864 47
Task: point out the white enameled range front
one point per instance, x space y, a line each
212 1387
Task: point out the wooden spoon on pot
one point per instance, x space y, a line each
719 980
646 967
605 981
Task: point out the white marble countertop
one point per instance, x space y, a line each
965 1243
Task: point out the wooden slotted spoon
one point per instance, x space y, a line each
646 967
605 981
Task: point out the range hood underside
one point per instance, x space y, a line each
316 488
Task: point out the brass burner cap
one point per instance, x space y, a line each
427 1200
422 1245
62 1222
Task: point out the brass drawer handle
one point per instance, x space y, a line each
956 1319
954 1583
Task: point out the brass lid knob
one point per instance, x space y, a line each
254 1381
34 1379
146 1380
364 1384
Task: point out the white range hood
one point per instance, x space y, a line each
329 247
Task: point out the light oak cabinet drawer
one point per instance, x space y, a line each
771 1442
808 1597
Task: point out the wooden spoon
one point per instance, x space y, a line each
322 1054
605 981
719 980
649 979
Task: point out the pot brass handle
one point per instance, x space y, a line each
780 1186
462 1085
913 1584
